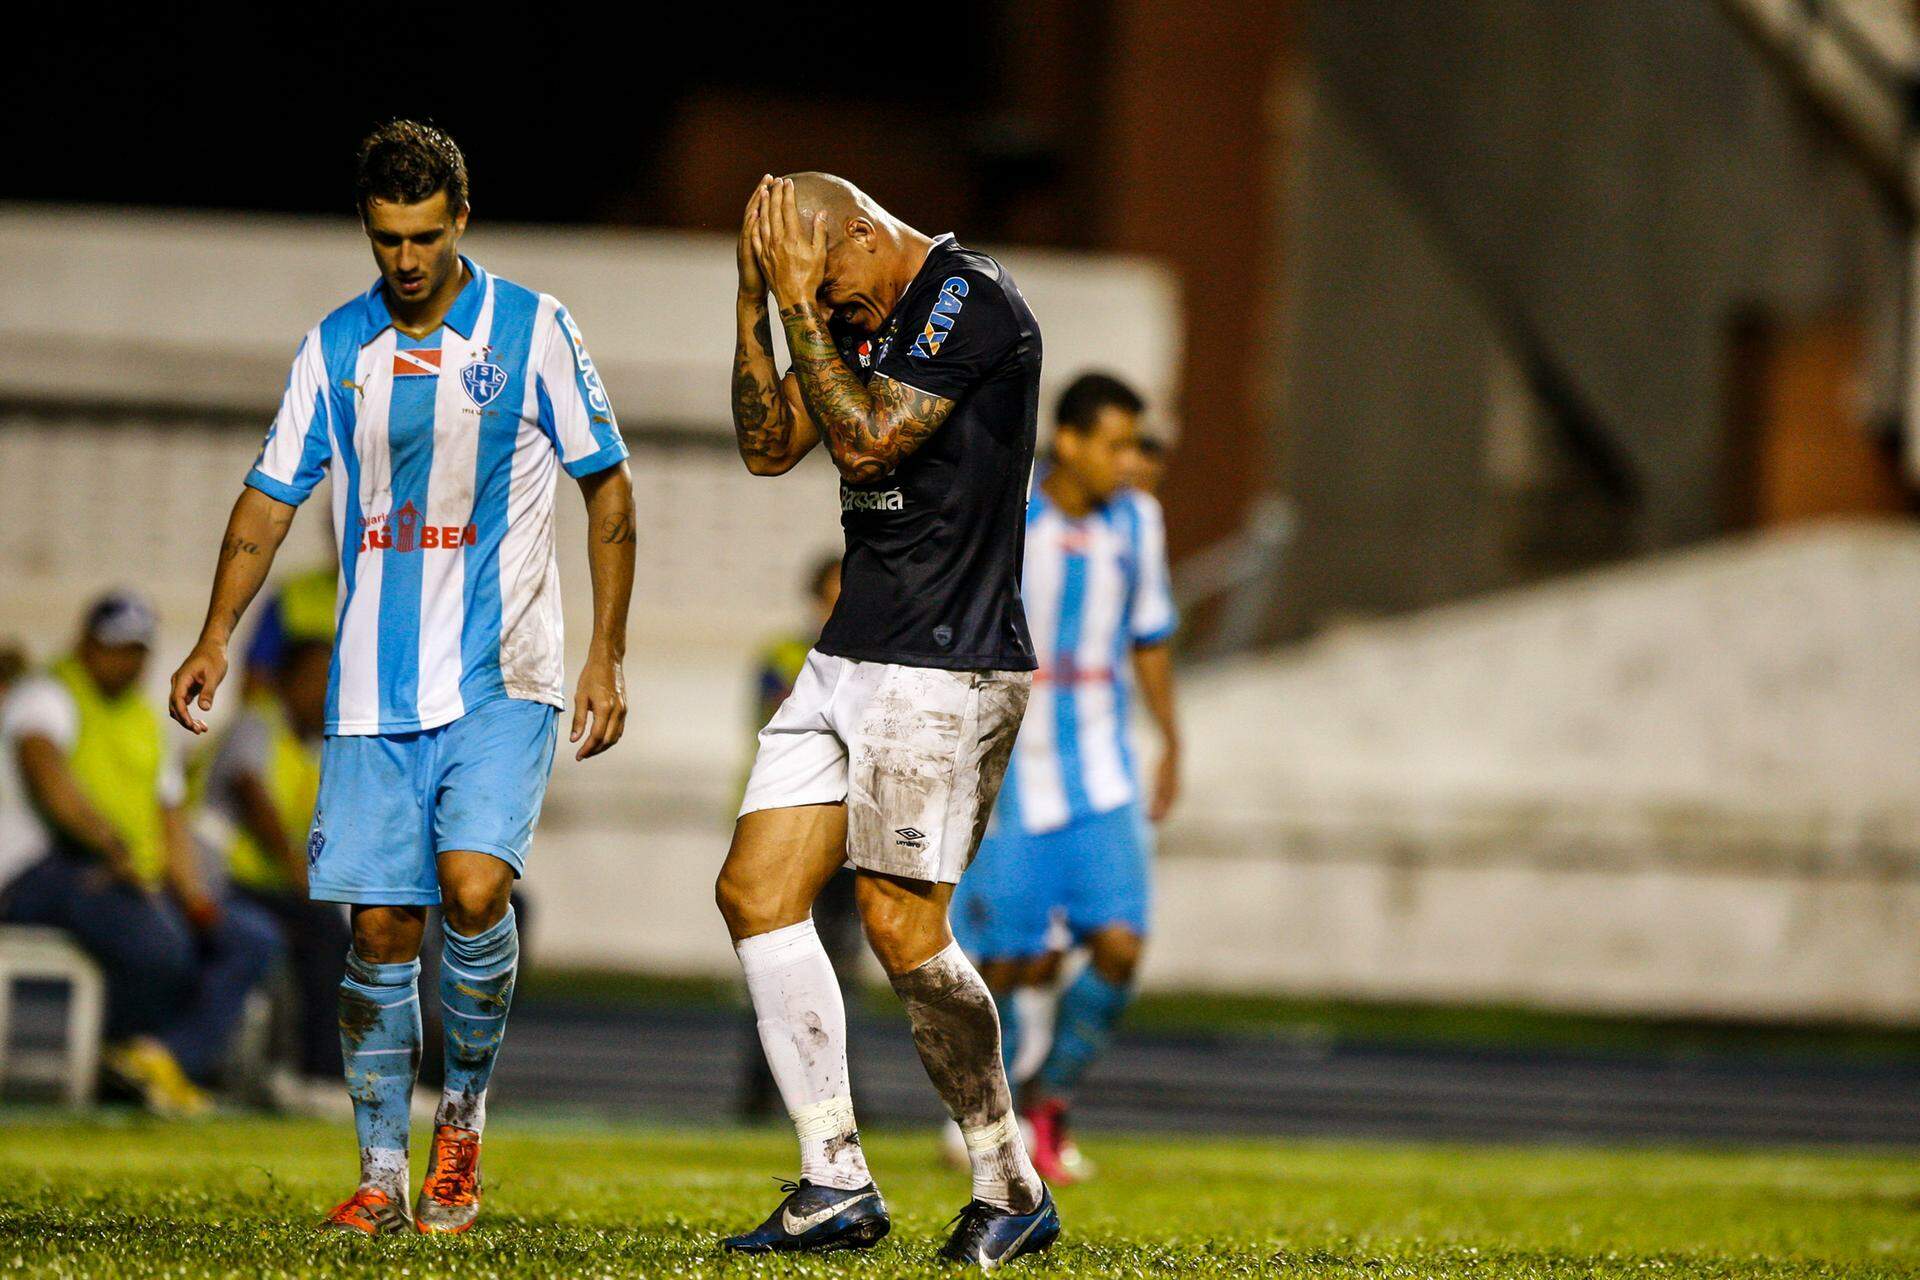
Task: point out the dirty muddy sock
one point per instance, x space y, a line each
803 1028
380 1040
1088 1012
957 1033
476 989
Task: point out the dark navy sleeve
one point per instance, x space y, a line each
952 338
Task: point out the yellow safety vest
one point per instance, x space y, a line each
115 761
293 784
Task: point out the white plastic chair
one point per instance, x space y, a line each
34 952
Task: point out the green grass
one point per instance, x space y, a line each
239 1198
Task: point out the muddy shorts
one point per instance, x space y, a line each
916 753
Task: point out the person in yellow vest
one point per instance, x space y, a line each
256 792
93 835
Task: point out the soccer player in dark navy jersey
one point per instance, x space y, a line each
916 362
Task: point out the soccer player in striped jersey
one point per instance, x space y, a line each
444 401
1071 839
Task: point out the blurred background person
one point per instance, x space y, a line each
93 827
303 606
835 917
256 787
1070 843
1145 468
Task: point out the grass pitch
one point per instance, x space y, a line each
128 1197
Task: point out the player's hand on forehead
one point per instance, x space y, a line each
796 246
752 252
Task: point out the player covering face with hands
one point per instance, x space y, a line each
916 363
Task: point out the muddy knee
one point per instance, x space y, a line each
1116 954
906 920
388 935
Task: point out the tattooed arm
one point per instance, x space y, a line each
770 424
870 429
600 702
255 531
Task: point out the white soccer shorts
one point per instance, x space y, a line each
917 754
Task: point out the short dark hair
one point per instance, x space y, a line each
1080 404
405 162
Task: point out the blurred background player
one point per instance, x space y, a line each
917 362
835 916
256 790
1070 839
1146 464
449 399
94 835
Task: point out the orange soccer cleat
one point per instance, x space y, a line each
370 1211
450 1196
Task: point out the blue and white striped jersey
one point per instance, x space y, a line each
1094 589
444 452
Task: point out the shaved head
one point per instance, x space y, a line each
871 256
839 199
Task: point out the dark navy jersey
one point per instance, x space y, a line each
931 576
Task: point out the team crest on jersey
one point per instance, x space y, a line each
483 380
940 322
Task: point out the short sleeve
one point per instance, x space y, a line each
40 708
953 337
574 409
1154 616
297 449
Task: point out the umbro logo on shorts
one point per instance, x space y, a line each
910 838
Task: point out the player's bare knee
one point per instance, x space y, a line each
1001 976
1116 954
906 920
1040 971
388 935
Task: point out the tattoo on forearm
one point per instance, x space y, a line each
758 425
617 530
235 546
870 429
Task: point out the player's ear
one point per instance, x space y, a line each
460 220
860 232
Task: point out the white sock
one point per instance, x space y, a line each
1037 1007
803 1029
385 1170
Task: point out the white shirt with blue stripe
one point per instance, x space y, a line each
444 452
1094 590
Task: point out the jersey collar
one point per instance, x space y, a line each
464 314
944 240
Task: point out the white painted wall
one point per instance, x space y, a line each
182 308
1692 785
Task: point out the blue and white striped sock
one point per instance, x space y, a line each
1088 1012
476 989
380 1041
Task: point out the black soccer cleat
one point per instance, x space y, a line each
987 1237
815 1219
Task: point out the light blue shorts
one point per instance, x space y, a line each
390 804
1091 874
